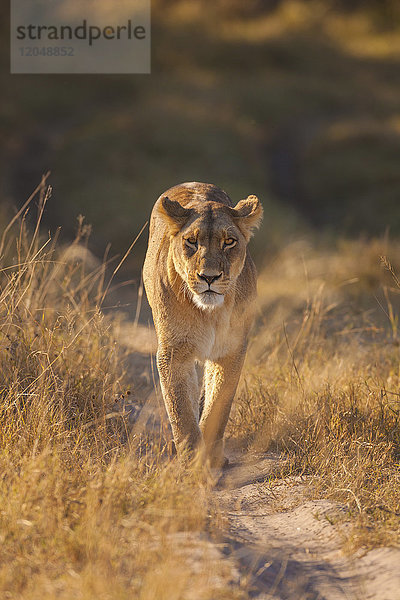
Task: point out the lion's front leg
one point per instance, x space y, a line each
221 378
179 387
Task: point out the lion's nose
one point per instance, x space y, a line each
208 278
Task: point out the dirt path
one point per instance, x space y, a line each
279 545
290 548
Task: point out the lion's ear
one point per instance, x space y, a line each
247 214
174 213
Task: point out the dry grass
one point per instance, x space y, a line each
90 509
87 509
323 380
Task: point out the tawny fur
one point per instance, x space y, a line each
191 231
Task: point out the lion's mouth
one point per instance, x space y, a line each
208 299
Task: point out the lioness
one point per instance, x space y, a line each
201 285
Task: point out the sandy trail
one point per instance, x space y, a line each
291 549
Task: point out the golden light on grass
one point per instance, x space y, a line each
86 507
93 507
323 380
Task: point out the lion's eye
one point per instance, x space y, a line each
228 243
191 242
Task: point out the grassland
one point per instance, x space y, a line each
92 507
86 508
323 378
298 105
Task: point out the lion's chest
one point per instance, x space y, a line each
218 339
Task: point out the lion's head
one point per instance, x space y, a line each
208 241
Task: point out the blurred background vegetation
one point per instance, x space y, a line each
295 101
